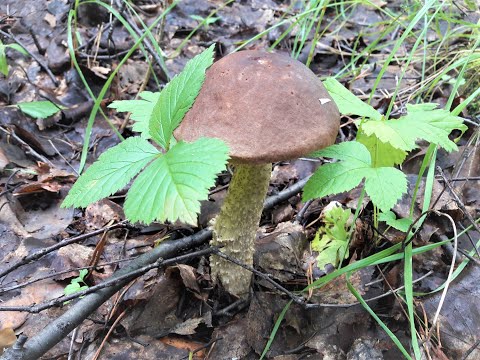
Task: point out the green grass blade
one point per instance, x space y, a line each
275 329
377 319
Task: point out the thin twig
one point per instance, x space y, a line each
285 194
57 329
55 274
471 350
211 342
37 255
474 178
301 300
29 148
114 325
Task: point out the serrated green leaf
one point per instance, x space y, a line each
384 185
383 154
332 179
331 240
141 111
341 176
39 109
422 122
172 187
111 172
349 104
3 61
178 97
391 220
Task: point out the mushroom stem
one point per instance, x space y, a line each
236 226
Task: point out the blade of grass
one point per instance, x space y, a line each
432 148
453 94
377 319
408 267
275 329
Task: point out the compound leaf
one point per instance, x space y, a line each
141 110
111 172
172 186
422 122
347 103
332 179
177 98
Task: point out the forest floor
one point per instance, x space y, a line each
174 311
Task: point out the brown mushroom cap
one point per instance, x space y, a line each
266 107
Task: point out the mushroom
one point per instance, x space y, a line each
267 107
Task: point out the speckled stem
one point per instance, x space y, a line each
236 226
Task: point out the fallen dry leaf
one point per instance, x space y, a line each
7 338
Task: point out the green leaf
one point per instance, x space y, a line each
349 151
141 111
18 48
3 61
177 98
331 240
383 154
39 109
391 220
82 274
332 179
172 186
71 288
341 176
384 185
349 104
422 122
111 172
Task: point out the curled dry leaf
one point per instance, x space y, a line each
189 278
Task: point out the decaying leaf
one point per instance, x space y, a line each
7 338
